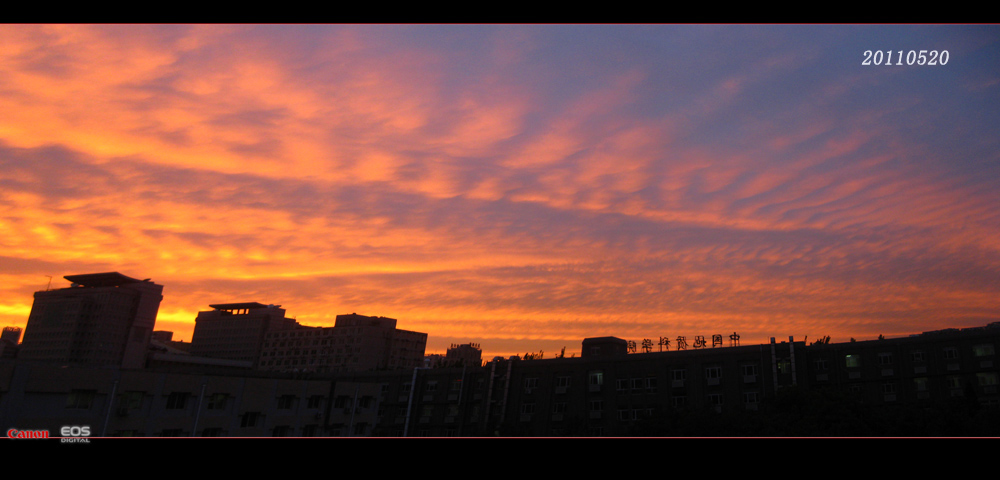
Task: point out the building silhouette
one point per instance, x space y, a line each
936 383
354 343
236 331
9 341
102 319
465 354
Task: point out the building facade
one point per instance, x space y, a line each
355 343
102 319
236 331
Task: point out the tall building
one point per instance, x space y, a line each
354 343
102 319
465 354
8 342
236 331
11 334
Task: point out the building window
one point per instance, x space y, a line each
987 379
679 402
650 384
715 399
917 356
751 397
81 399
885 358
177 400
784 366
431 387
750 370
853 361
985 350
889 388
316 401
596 378
821 365
527 408
713 373
282 431
530 384
559 407
286 402
950 353
638 385
251 419
920 384
679 375
955 382
217 401
596 405
131 400
622 385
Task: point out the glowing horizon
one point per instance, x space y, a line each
521 187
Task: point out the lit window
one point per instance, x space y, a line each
81 399
853 361
217 401
985 350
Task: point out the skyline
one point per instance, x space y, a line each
517 186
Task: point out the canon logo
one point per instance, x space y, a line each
15 433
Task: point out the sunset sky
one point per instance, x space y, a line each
519 186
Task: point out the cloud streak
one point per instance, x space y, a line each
519 186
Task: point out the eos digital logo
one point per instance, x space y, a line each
72 434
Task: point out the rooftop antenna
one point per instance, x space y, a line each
50 283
